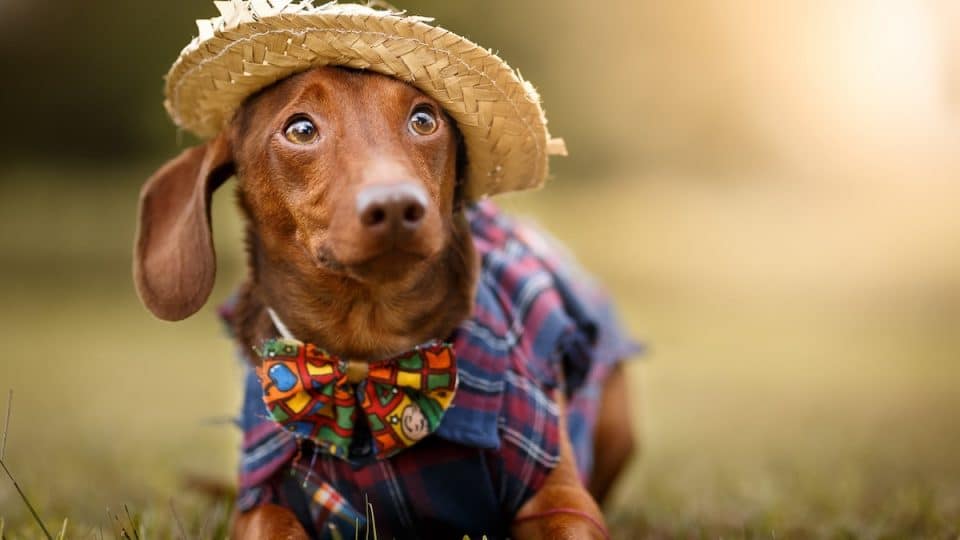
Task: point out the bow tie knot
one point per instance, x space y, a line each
319 397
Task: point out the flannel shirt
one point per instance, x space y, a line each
536 313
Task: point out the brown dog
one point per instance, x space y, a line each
349 185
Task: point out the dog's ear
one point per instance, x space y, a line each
174 263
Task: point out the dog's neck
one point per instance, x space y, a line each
359 320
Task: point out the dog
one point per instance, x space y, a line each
361 241
348 183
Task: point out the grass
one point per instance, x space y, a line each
801 381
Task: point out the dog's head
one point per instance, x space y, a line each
347 179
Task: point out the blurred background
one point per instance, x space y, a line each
770 189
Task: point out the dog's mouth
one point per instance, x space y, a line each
385 265
385 239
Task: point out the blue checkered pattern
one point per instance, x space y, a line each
538 320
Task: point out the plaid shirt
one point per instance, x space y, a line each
535 314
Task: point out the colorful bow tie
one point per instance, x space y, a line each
315 395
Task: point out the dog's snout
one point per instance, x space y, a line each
384 226
392 206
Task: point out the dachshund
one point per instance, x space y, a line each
359 237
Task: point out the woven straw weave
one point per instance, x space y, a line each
255 43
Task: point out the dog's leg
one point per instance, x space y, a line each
268 521
614 434
562 509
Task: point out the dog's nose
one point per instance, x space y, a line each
388 207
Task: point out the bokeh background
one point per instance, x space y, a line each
770 188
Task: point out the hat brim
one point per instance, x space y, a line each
497 112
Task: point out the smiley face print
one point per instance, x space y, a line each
414 423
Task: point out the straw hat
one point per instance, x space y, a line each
254 43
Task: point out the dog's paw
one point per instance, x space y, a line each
560 526
268 521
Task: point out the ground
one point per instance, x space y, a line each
801 379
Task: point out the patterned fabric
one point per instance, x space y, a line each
536 317
311 393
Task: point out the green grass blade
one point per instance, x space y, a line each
366 508
132 522
6 423
178 521
63 529
372 520
26 501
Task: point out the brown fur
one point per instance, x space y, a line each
311 259
267 522
342 301
562 490
613 434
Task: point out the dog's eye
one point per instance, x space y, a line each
300 130
423 121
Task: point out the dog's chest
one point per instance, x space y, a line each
500 437
531 328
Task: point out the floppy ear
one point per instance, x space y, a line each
174 264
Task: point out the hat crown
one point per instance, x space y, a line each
254 43
234 13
